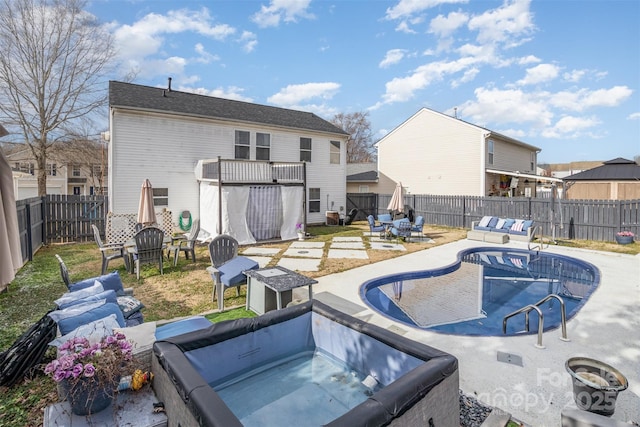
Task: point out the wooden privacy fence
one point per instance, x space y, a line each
69 218
31 225
568 219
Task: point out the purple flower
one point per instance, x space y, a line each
77 370
59 376
89 370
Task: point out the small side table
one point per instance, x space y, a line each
271 288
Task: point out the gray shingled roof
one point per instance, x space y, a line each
618 169
363 176
127 95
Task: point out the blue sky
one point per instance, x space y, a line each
560 75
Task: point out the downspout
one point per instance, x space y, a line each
483 163
304 195
219 195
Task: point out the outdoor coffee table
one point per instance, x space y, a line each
271 288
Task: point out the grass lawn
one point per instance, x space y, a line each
182 291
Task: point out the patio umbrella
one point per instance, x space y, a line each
146 212
10 252
397 199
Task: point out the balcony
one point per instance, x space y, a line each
250 172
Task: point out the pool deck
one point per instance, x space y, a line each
607 328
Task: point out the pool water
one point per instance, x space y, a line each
308 389
473 295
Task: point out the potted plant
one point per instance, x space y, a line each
89 373
624 237
300 231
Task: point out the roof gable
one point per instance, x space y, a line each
457 122
618 169
137 97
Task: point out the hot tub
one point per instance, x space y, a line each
389 379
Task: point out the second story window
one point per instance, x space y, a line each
533 162
243 145
96 171
75 170
51 169
263 146
490 149
305 150
24 167
334 152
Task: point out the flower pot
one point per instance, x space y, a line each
624 240
300 236
595 385
86 398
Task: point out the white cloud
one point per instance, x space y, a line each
540 74
231 92
295 94
504 24
529 59
393 56
204 57
634 116
444 26
403 27
248 40
570 127
285 10
468 76
574 76
407 8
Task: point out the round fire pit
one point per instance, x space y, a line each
595 384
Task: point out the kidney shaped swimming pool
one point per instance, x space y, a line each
473 295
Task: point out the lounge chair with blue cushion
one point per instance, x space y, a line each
373 228
418 226
384 217
227 268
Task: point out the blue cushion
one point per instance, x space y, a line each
508 223
526 225
96 288
493 222
182 326
108 296
483 228
68 324
109 281
384 217
231 273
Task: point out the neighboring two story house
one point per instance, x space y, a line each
180 141
75 168
433 153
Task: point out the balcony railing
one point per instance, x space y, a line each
250 171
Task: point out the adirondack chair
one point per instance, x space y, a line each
149 248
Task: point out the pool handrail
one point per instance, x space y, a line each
527 309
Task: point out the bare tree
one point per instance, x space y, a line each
360 146
53 67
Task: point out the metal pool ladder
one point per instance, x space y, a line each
527 309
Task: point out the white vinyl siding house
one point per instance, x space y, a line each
163 143
433 153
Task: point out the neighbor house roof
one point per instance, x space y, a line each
362 172
613 170
146 98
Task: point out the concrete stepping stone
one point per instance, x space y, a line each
347 253
303 252
261 251
347 245
306 245
347 239
297 264
386 246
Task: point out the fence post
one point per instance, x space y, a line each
45 219
27 211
